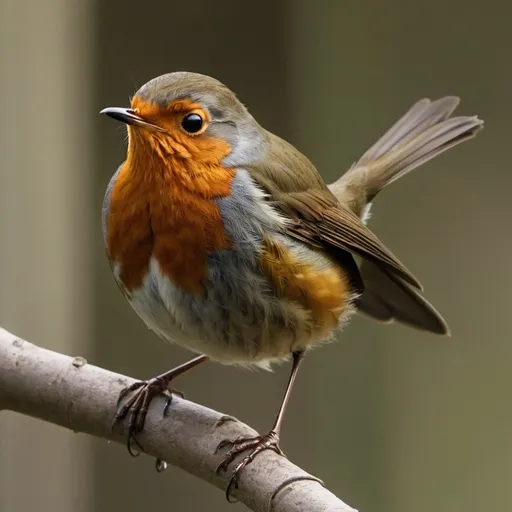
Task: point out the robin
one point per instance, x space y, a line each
226 240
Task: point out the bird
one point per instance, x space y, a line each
225 239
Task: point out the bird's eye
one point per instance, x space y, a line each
192 123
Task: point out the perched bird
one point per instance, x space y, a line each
225 239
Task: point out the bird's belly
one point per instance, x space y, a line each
254 309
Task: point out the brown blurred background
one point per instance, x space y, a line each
393 420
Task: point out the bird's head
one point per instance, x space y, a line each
186 115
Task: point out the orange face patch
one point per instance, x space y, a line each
322 292
162 202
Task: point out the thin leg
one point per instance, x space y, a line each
136 408
259 444
298 357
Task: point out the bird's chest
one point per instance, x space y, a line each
219 276
166 221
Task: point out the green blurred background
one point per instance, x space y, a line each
393 420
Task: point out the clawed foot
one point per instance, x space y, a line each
256 444
136 407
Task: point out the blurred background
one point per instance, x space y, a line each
393 420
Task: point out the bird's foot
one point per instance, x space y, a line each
256 444
136 407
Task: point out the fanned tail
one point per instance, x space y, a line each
424 132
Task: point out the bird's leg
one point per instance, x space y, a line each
136 407
258 444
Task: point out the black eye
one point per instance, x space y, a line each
192 123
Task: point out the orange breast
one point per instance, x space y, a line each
162 206
324 292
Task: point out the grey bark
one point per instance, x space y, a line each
71 393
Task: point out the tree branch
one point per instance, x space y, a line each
74 394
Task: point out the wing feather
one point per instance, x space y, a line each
318 218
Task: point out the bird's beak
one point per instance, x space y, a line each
128 116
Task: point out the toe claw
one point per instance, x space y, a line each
136 406
223 444
136 409
221 467
129 445
255 444
232 481
122 396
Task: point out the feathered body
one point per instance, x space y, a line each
213 269
229 243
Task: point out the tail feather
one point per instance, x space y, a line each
419 150
424 132
421 116
389 298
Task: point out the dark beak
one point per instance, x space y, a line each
128 116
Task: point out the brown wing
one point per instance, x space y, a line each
318 218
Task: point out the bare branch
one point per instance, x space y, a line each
74 394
